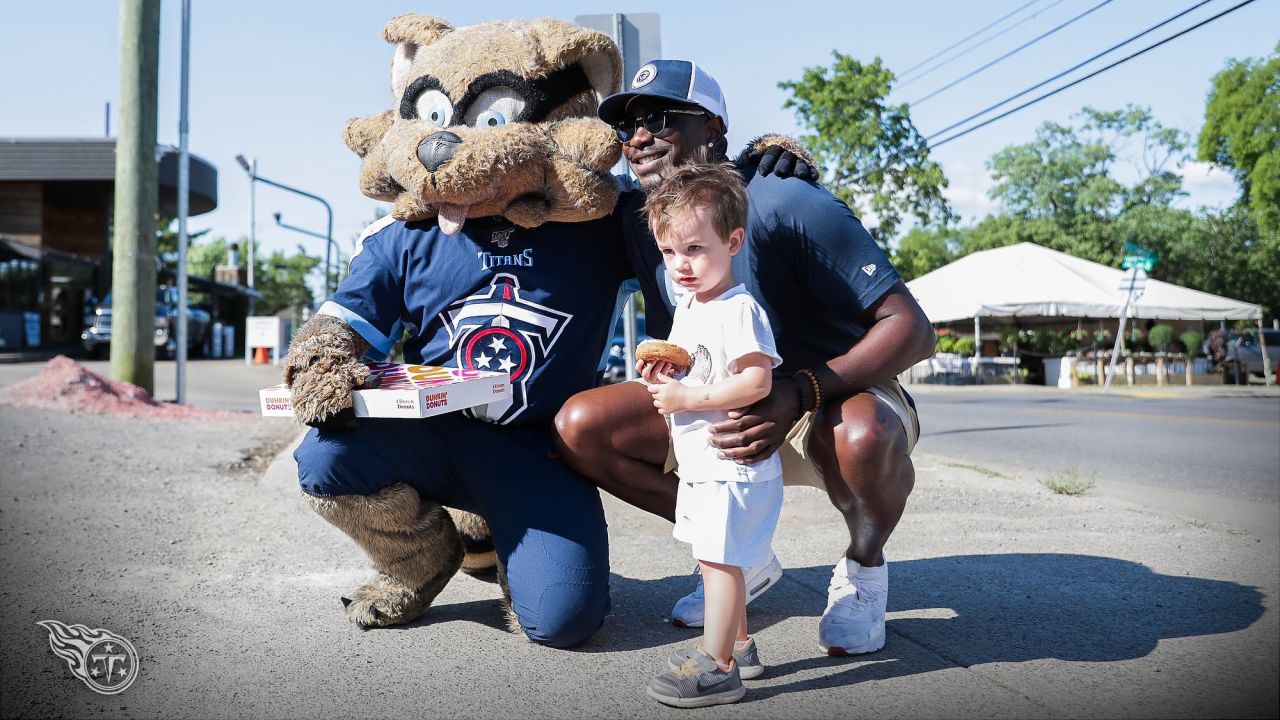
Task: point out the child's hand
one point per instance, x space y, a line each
669 395
650 370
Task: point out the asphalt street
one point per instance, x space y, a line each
188 538
1197 451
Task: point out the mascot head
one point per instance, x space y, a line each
492 119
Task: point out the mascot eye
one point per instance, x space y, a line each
495 106
434 107
490 118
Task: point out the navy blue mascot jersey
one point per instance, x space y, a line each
806 259
536 303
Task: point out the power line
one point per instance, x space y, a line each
1069 70
1073 83
971 48
1011 53
970 36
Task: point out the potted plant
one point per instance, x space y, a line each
1160 338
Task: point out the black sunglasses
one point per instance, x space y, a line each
655 121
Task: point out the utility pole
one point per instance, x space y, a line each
184 201
133 277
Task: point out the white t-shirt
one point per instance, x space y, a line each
716 335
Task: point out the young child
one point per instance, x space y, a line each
726 511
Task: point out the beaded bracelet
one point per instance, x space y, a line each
817 387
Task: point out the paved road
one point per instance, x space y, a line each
1223 451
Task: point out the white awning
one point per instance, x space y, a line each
1030 281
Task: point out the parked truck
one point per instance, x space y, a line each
97 337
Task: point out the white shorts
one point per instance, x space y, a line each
729 522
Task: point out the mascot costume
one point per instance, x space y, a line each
502 252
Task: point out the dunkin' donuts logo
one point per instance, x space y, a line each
279 403
436 400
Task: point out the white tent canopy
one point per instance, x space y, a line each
1030 281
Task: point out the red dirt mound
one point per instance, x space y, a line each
65 384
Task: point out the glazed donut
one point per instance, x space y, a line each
656 351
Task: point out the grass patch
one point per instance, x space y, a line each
978 469
1069 482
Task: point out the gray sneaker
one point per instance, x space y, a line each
698 682
748 659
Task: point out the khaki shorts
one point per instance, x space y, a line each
798 468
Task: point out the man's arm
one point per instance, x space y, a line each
898 336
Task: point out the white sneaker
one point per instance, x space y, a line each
853 622
688 610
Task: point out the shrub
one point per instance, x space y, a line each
965 346
1192 339
1160 337
946 343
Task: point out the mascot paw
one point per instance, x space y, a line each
383 602
480 558
782 156
322 370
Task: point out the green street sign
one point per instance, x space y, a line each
1144 262
1132 249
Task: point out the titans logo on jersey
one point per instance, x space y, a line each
495 329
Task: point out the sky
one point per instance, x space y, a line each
277 80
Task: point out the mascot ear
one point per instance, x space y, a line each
408 33
561 44
361 134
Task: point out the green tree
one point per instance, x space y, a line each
1066 176
167 241
1242 132
282 280
874 158
1061 190
923 250
203 258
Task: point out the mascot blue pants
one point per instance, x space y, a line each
548 525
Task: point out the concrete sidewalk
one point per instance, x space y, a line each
1006 600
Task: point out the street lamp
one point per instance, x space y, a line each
252 171
329 240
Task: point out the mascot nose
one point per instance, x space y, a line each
437 149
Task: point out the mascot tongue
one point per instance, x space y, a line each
452 217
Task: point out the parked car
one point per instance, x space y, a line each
1244 355
97 337
616 361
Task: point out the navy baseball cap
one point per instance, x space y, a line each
679 80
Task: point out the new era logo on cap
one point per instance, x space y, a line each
869 269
